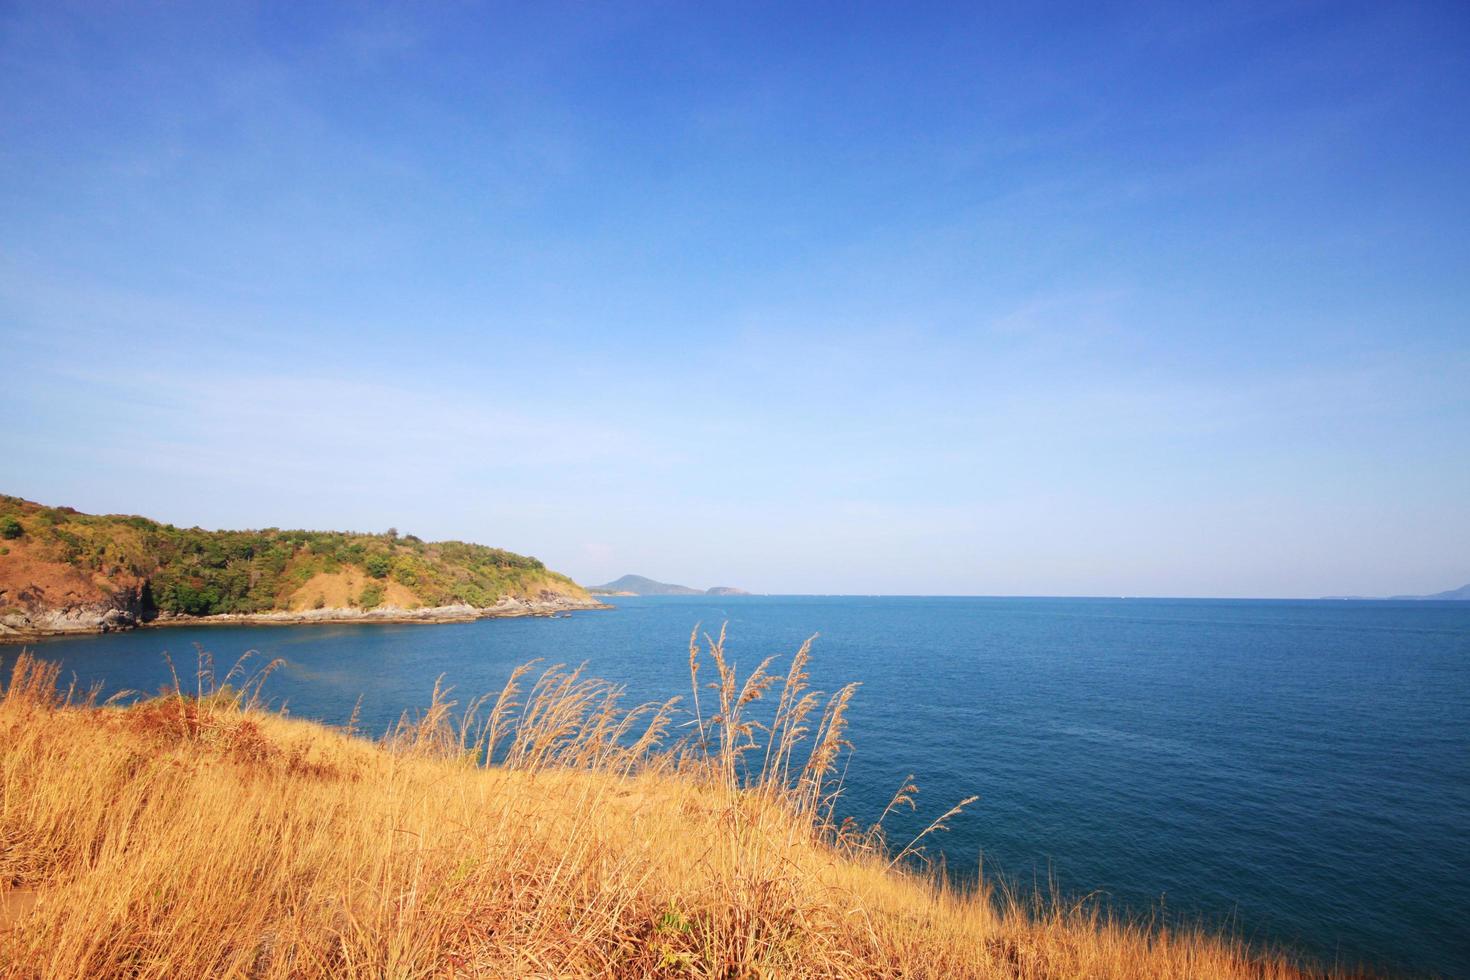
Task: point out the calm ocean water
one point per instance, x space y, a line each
1298 770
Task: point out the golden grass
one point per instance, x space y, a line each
204 836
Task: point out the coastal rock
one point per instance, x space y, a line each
549 604
94 618
41 610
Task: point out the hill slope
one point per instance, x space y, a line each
1462 593
62 570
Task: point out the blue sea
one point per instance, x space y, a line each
1297 772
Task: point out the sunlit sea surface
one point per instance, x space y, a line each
1298 772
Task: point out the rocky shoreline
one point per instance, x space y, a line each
103 618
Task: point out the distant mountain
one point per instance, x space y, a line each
1462 594
638 585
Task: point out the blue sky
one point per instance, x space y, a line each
996 299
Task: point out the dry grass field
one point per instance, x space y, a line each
198 834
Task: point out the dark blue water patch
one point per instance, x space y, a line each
1300 770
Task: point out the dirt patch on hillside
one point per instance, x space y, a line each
30 580
340 590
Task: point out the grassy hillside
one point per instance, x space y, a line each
198 835
57 551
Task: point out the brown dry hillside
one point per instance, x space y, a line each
29 566
341 589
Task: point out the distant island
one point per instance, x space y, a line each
63 571
638 585
1462 594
